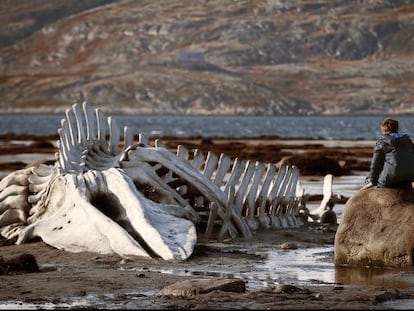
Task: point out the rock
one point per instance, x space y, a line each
287 245
318 296
376 229
195 287
24 263
313 163
286 288
387 295
329 217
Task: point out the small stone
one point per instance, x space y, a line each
338 288
288 246
24 263
285 288
80 292
194 287
384 297
319 296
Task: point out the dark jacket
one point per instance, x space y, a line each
393 161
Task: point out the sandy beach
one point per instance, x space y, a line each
90 280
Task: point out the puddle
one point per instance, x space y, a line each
91 301
310 266
380 277
19 305
301 266
400 304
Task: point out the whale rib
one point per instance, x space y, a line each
107 193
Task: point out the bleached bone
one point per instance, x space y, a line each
111 222
223 166
251 194
251 215
262 210
236 171
11 216
243 186
11 191
184 169
142 173
211 164
197 180
18 177
299 204
182 152
14 189
134 199
277 194
327 195
328 200
284 209
288 202
227 215
66 207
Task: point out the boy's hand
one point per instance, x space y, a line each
367 186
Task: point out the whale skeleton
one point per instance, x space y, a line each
107 193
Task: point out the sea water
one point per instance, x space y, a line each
323 127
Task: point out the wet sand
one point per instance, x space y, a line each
98 281
90 280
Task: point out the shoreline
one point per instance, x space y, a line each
351 154
74 280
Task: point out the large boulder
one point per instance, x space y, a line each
377 229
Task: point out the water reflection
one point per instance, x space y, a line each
300 266
382 277
308 266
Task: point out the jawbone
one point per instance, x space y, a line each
101 211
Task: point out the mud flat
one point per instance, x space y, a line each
90 280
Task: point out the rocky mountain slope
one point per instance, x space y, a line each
270 57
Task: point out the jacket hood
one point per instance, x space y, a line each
396 135
396 139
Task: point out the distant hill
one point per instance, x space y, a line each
274 57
